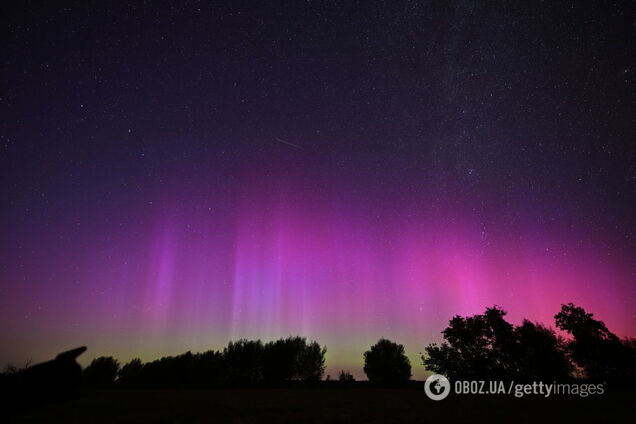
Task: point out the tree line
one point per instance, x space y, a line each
479 347
486 346
242 362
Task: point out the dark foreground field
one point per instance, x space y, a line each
345 405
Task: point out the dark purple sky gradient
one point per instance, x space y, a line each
173 177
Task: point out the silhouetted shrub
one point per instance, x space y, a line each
346 377
101 372
11 369
598 351
386 363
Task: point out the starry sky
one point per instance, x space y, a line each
175 176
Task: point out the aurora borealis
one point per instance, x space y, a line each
177 177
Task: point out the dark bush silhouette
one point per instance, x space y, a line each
598 351
386 363
101 372
346 377
486 346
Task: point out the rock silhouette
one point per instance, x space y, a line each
55 380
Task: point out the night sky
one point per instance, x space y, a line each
173 177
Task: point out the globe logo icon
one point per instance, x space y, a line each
437 387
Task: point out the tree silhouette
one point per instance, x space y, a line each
477 347
346 377
244 361
541 354
486 346
130 372
293 359
601 354
207 368
210 368
280 359
311 362
101 372
386 363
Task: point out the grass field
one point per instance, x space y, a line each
334 405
